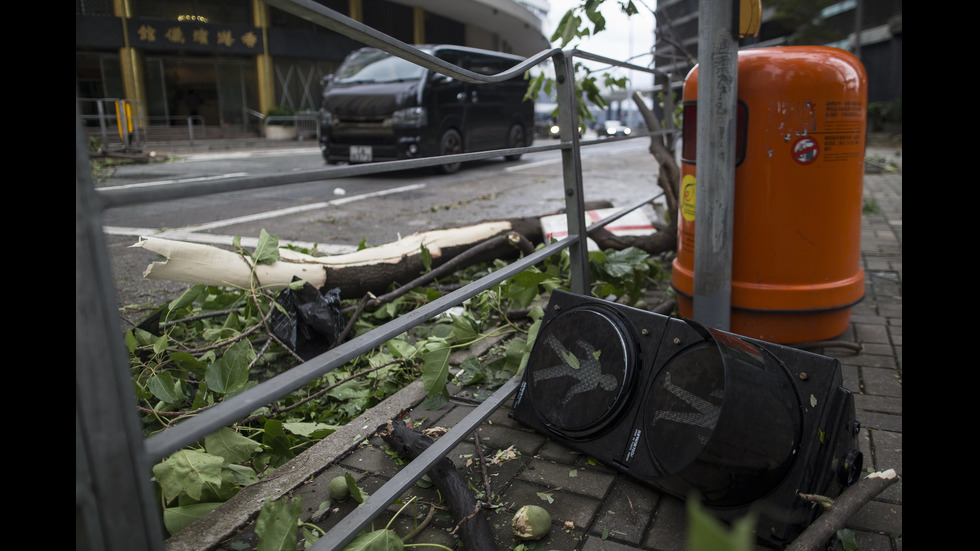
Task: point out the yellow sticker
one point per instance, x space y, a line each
687 197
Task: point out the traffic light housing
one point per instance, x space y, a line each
746 424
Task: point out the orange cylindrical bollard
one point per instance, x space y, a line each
796 266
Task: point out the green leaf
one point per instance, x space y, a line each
277 524
546 497
426 258
623 263
400 349
267 249
187 472
378 540
464 329
187 361
435 402
276 439
188 298
471 371
231 445
160 344
435 367
355 492
848 539
311 430
240 474
706 533
165 389
229 373
178 518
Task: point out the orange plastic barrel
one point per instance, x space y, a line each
801 128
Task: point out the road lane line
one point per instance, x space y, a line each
190 233
182 180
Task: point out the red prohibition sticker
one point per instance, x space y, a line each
805 150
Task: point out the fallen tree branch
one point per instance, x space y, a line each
491 248
475 531
355 274
842 508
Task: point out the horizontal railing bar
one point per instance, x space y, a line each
586 55
120 197
187 432
355 521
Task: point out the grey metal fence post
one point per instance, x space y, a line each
715 186
571 159
114 500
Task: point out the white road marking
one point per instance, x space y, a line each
191 233
183 180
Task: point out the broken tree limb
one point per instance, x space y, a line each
665 239
656 243
670 175
475 531
842 508
368 270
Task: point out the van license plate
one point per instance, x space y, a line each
361 154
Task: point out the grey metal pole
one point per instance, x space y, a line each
572 170
715 186
115 506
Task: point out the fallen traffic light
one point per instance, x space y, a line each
746 424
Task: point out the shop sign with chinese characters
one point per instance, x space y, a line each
154 34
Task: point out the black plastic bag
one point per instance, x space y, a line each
312 322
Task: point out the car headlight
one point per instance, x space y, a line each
627 131
412 116
611 131
555 129
326 118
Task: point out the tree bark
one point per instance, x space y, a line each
474 528
370 270
848 503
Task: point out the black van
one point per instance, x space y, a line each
379 107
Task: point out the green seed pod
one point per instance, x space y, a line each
338 489
531 522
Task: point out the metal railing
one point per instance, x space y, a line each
299 126
111 127
115 503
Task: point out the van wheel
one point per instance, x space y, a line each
450 144
515 139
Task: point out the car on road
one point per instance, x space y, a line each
613 129
380 107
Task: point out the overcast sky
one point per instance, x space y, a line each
623 37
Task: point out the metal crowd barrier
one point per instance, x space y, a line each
116 508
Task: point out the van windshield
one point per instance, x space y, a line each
370 65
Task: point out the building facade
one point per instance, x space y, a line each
870 29
228 62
